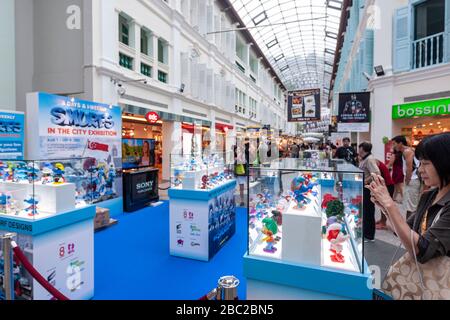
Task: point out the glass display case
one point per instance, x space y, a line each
34 190
200 171
308 212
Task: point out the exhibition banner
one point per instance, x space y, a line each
12 131
354 107
304 105
67 128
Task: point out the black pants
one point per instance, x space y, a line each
369 216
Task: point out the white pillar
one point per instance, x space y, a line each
137 46
171 144
381 117
155 56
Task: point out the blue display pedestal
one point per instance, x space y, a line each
201 221
61 248
269 279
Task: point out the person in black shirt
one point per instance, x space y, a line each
346 152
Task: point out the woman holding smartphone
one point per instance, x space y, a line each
426 234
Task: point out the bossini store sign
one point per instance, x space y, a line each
421 109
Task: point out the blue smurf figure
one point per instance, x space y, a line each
300 189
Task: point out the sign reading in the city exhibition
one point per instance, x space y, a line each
304 105
354 112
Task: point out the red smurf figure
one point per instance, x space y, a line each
337 237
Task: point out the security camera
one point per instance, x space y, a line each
145 81
121 90
367 76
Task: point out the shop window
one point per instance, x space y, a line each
146 70
146 42
126 61
124 30
163 51
162 76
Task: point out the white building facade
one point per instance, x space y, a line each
410 40
178 58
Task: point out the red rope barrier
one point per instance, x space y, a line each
35 274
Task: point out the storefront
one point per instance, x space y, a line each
420 119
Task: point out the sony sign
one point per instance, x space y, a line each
144 186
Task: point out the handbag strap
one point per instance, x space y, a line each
413 245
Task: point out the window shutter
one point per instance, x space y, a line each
402 40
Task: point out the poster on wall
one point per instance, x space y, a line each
304 105
12 129
222 221
354 107
66 128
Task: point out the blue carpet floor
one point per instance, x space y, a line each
132 260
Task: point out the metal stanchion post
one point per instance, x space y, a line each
227 289
8 265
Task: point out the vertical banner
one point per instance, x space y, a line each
66 128
12 129
304 105
354 112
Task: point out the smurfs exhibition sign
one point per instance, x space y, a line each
65 128
12 130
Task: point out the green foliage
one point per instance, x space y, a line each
335 208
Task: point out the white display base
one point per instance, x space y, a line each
259 290
192 179
350 264
302 239
53 198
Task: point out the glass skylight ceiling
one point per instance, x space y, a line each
298 37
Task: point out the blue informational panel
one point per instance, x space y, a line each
62 127
11 135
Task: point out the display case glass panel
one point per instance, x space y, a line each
200 171
308 212
34 190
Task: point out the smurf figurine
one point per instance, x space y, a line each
58 174
300 189
30 206
111 176
270 229
5 200
337 236
47 172
32 172
20 173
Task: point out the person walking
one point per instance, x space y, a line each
241 168
425 235
411 193
347 152
294 150
396 167
381 224
368 164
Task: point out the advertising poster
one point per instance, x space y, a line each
304 105
354 107
66 128
189 229
11 135
222 221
